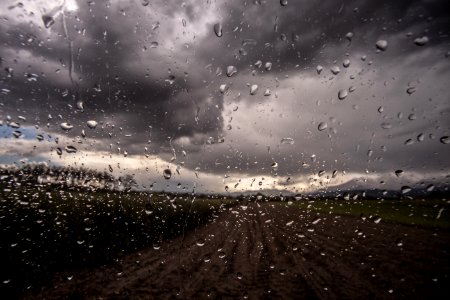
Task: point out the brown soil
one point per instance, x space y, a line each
256 254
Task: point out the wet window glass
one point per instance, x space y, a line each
198 149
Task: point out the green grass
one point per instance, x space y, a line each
44 230
411 212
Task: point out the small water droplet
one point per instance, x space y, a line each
167 173
319 69
71 149
239 275
218 29
200 243
284 2
399 173
289 223
274 165
66 126
342 94
381 45
231 70
410 90
91 124
445 140
268 66
421 41
405 189
346 63
223 88
154 44
287 141
335 70
322 126
253 89
349 36
267 92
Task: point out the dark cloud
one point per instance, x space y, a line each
153 95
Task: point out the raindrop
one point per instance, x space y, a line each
239 275
66 126
321 173
167 174
222 254
322 126
154 44
405 189
377 220
445 140
267 92
335 70
223 88
59 151
409 142
283 2
171 79
253 89
231 70
420 137
349 36
421 41
80 105
274 165
346 63
386 125
381 45
40 137
287 141
200 243
342 94
17 134
319 69
218 29
91 124
410 90
268 66
399 173
289 223
48 20
71 149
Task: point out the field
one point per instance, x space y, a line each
103 244
46 230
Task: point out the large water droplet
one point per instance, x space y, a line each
421 41
167 173
381 45
253 89
231 70
91 124
322 126
342 94
268 66
218 29
66 126
284 2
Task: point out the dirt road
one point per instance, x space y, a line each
270 251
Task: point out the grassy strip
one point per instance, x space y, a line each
44 230
412 212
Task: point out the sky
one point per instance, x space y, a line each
326 95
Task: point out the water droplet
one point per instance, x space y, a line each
420 137
377 220
268 66
381 45
145 2
421 41
349 36
267 92
231 70
71 149
59 151
48 20
167 174
319 69
410 90
154 44
399 173
14 125
322 126
91 124
274 165
386 125
346 63
283 2
40 137
80 105
239 275
335 70
409 142
289 223
405 189
170 79
222 254
287 141
321 173
253 89
445 140
218 29
200 243
342 94
66 126
223 88
17 134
